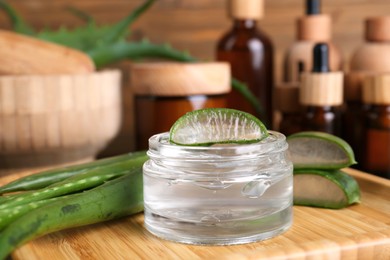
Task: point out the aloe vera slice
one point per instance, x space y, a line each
210 126
326 189
318 150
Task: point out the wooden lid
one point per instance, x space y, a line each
287 97
321 89
376 89
378 28
180 79
247 9
314 28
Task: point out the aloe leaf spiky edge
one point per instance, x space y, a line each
18 23
81 14
119 30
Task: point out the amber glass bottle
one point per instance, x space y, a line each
250 54
287 103
165 91
376 130
368 59
321 95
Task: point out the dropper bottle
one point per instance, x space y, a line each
312 28
249 51
321 95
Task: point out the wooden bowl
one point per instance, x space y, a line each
49 120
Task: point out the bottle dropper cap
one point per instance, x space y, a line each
321 87
376 89
246 9
321 58
314 26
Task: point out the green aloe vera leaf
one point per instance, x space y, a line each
119 30
89 37
83 38
18 23
82 15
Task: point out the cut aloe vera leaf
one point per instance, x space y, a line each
210 126
318 150
333 189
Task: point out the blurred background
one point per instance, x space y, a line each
196 25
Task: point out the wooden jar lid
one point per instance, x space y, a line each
378 28
314 28
321 89
246 9
376 89
287 97
180 79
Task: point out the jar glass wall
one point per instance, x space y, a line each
228 194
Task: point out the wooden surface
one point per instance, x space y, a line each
358 232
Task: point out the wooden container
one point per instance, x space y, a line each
164 91
48 120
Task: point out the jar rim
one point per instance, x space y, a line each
159 146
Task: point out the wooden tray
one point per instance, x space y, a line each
357 232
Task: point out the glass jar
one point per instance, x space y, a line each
226 194
164 91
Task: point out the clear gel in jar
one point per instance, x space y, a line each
218 195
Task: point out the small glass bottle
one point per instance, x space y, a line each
370 58
287 103
230 194
321 95
376 128
354 108
164 91
312 28
250 54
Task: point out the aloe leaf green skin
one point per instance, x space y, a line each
85 180
114 199
10 214
346 183
350 160
49 177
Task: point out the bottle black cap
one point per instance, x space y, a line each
313 7
321 58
